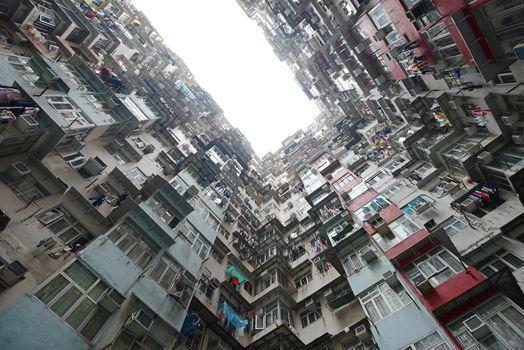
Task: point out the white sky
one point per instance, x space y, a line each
230 58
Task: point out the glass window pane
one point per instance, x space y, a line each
67 300
382 306
453 262
68 235
515 317
82 311
167 279
372 312
513 260
97 291
158 271
125 243
508 335
94 324
81 275
58 225
52 289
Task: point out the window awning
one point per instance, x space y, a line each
233 272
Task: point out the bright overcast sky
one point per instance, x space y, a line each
230 58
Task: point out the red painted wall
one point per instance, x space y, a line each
454 287
391 213
364 198
406 244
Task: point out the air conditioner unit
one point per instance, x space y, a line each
510 119
518 139
111 301
94 166
425 286
478 329
369 254
12 273
139 323
390 277
77 163
421 207
362 333
453 104
316 260
485 157
18 170
519 51
469 205
26 124
452 188
310 305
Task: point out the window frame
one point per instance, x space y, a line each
85 295
379 292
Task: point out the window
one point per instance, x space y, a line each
308 317
400 229
137 175
63 225
358 190
217 255
499 261
196 240
69 110
433 341
27 188
265 255
382 301
395 164
161 208
437 266
304 279
130 239
353 263
269 314
127 341
170 275
265 280
373 206
343 182
453 225
207 287
504 320
206 213
73 296
379 16
375 178
392 190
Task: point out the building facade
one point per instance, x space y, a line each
135 216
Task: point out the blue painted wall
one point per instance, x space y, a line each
28 325
370 274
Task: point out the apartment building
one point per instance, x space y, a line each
133 215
